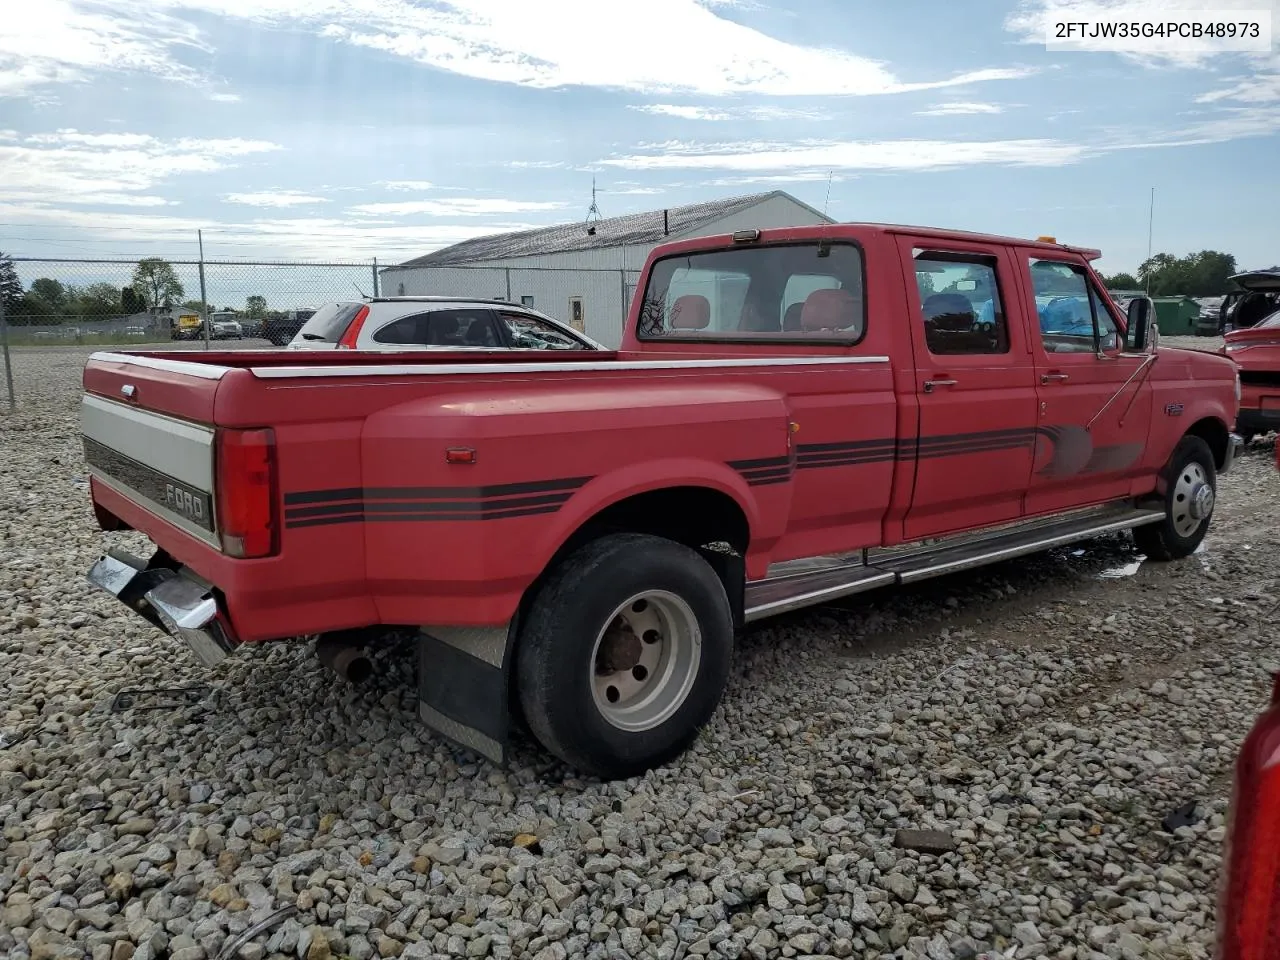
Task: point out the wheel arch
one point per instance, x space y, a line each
1216 434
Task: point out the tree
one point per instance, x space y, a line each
10 286
98 301
50 293
129 302
255 306
156 283
1203 274
1122 281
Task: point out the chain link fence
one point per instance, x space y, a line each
156 299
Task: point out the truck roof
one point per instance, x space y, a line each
941 233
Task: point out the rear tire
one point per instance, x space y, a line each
624 654
1191 489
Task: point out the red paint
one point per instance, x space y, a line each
394 533
1256 351
1249 895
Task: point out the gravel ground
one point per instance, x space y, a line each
1042 717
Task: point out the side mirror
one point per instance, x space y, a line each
1140 335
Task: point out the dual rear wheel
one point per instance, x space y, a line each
624 654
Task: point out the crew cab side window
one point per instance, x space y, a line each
442 328
961 306
1071 311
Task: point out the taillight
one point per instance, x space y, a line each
1249 908
352 334
247 513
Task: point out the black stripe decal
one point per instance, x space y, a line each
762 462
845 461
806 448
315 508
434 493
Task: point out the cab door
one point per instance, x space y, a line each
1094 399
975 386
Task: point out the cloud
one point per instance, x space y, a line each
405 184
279 198
327 238
65 41
914 155
460 207
959 109
69 166
680 45
225 97
692 112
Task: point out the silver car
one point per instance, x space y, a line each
435 323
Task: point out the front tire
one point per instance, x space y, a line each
1191 490
624 654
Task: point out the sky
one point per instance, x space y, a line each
352 129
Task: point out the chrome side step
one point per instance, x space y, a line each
804 583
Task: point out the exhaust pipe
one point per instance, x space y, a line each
341 652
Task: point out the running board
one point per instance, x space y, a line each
836 578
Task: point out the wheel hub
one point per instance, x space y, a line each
620 648
645 661
1202 499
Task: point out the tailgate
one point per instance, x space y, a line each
146 429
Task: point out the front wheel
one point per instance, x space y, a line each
1191 491
624 654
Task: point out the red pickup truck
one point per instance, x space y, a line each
794 416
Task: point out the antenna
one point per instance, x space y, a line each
359 291
830 174
593 212
1151 219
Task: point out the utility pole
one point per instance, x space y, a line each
1151 222
8 366
204 304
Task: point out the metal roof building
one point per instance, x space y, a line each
583 273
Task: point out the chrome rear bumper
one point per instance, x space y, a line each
172 600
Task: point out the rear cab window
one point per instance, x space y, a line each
796 292
961 303
329 323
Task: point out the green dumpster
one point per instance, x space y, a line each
1177 316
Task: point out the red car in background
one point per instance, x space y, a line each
1256 351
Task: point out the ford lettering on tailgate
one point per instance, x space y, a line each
190 505
183 500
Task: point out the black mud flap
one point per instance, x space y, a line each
463 686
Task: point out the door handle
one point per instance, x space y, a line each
1050 377
930 384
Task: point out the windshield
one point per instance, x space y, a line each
1272 322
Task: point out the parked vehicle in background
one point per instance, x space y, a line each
1258 299
1256 351
430 323
226 328
280 330
794 416
187 326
